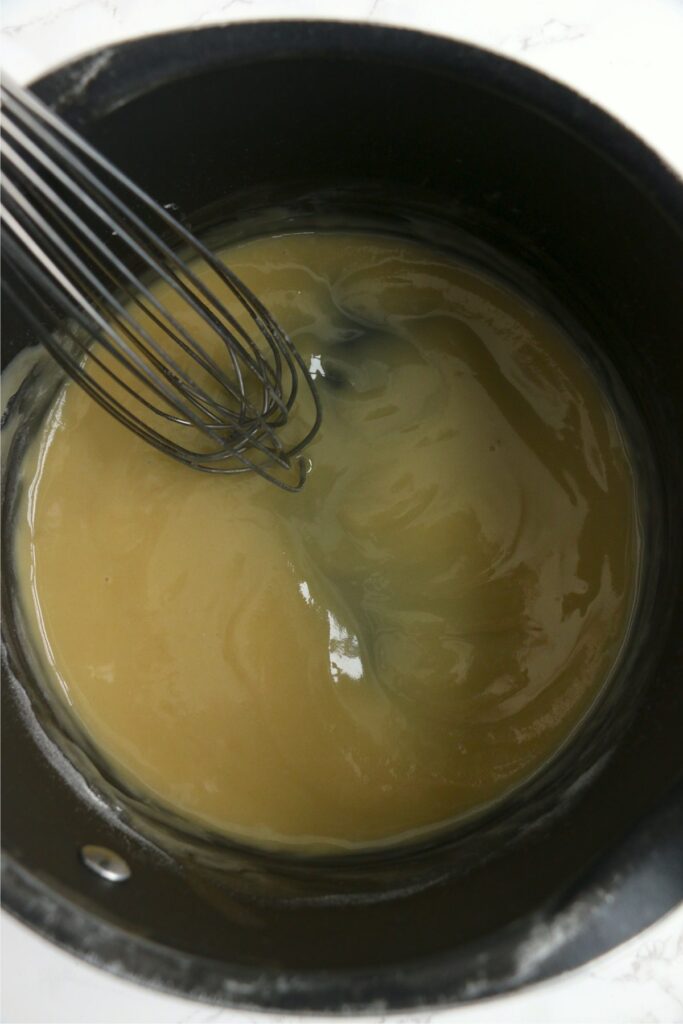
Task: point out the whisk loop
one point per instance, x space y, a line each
81 241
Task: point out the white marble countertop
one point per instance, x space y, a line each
626 55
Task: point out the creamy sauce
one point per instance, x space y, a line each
402 643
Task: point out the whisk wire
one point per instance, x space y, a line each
100 212
61 198
108 198
37 297
53 241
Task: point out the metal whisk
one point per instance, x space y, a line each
83 244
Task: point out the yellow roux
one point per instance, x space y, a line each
400 644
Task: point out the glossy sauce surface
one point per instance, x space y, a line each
404 641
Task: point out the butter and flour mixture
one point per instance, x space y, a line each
400 644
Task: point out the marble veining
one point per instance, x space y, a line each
550 33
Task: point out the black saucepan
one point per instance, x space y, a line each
328 121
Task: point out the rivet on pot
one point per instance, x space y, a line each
105 863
